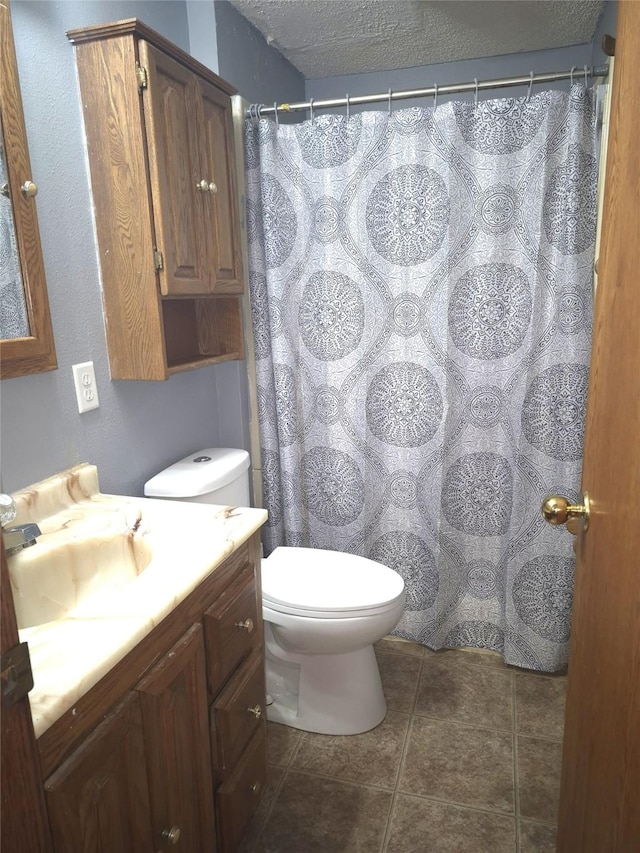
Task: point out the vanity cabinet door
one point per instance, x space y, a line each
98 798
238 797
173 114
238 712
173 697
233 629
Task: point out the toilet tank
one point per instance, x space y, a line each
216 475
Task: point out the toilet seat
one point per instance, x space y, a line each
325 584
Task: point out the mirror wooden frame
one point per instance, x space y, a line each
35 353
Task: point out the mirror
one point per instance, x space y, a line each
24 317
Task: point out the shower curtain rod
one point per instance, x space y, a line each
259 110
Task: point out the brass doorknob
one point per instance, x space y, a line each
256 711
247 625
172 835
213 189
203 186
557 510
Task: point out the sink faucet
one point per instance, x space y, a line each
21 535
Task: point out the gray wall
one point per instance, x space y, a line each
259 72
140 426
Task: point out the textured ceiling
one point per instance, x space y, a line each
323 38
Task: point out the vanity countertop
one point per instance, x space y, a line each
182 542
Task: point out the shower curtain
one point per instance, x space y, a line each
421 288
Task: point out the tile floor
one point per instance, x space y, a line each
466 761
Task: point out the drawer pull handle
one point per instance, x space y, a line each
247 625
172 835
256 711
255 787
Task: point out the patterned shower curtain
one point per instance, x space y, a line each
421 288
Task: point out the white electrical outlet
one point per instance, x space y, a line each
84 380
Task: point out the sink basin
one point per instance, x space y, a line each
56 579
106 571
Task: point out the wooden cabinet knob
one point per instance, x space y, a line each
207 187
172 835
29 189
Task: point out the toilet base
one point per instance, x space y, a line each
329 694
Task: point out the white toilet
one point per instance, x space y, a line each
323 610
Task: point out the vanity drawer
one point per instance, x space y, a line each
231 629
236 715
238 798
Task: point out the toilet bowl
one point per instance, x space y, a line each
322 610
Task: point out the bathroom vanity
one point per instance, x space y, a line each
149 701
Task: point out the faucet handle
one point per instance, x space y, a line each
8 509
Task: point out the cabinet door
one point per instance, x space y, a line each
238 798
173 697
171 106
237 713
98 798
218 167
233 628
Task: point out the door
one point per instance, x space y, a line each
600 791
98 798
175 718
171 109
218 164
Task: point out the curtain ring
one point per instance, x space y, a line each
311 108
275 107
259 112
348 106
389 102
573 68
586 77
435 95
530 86
475 80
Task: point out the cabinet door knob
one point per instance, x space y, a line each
213 189
247 625
203 186
256 711
29 189
255 787
172 835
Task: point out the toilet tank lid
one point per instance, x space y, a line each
199 473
